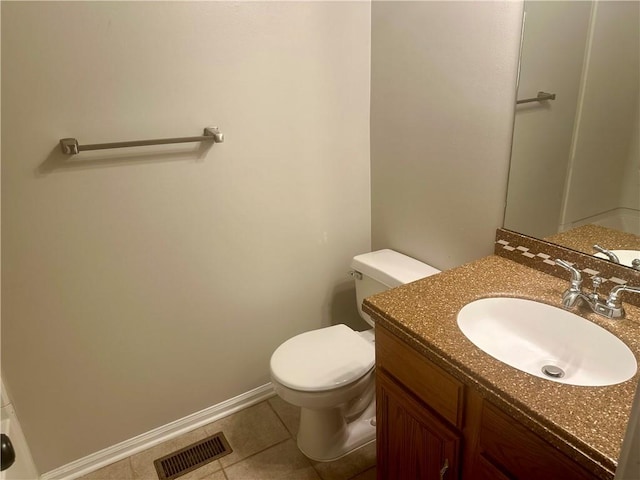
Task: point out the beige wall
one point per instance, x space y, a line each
442 105
143 286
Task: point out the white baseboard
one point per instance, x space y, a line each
158 435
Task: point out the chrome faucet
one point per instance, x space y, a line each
573 294
635 263
611 308
612 256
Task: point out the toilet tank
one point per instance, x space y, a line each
378 271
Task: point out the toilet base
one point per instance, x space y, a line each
325 435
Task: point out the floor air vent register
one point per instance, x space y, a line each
191 457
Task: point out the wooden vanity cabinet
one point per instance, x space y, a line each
430 426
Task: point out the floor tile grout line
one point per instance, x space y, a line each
317 472
364 471
256 453
280 418
213 473
130 462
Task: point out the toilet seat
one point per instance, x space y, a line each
324 359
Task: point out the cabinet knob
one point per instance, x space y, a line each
445 467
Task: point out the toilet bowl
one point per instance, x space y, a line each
333 384
329 372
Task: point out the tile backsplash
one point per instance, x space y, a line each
541 255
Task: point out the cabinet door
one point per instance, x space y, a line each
412 443
508 446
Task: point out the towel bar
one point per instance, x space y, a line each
70 146
542 96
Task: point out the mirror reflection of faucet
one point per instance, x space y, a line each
611 308
610 255
628 258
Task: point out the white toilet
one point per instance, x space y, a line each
329 372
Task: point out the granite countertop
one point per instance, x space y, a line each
586 423
585 237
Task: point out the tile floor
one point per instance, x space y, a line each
264 448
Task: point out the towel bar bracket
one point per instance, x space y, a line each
70 146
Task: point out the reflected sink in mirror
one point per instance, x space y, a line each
626 257
547 341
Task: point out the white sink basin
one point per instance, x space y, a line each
625 256
533 337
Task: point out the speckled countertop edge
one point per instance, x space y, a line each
586 423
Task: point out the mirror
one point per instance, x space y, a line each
576 159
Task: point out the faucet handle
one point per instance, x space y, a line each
576 276
614 296
613 307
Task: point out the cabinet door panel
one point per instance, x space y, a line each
412 443
521 452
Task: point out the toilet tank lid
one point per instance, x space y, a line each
391 268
